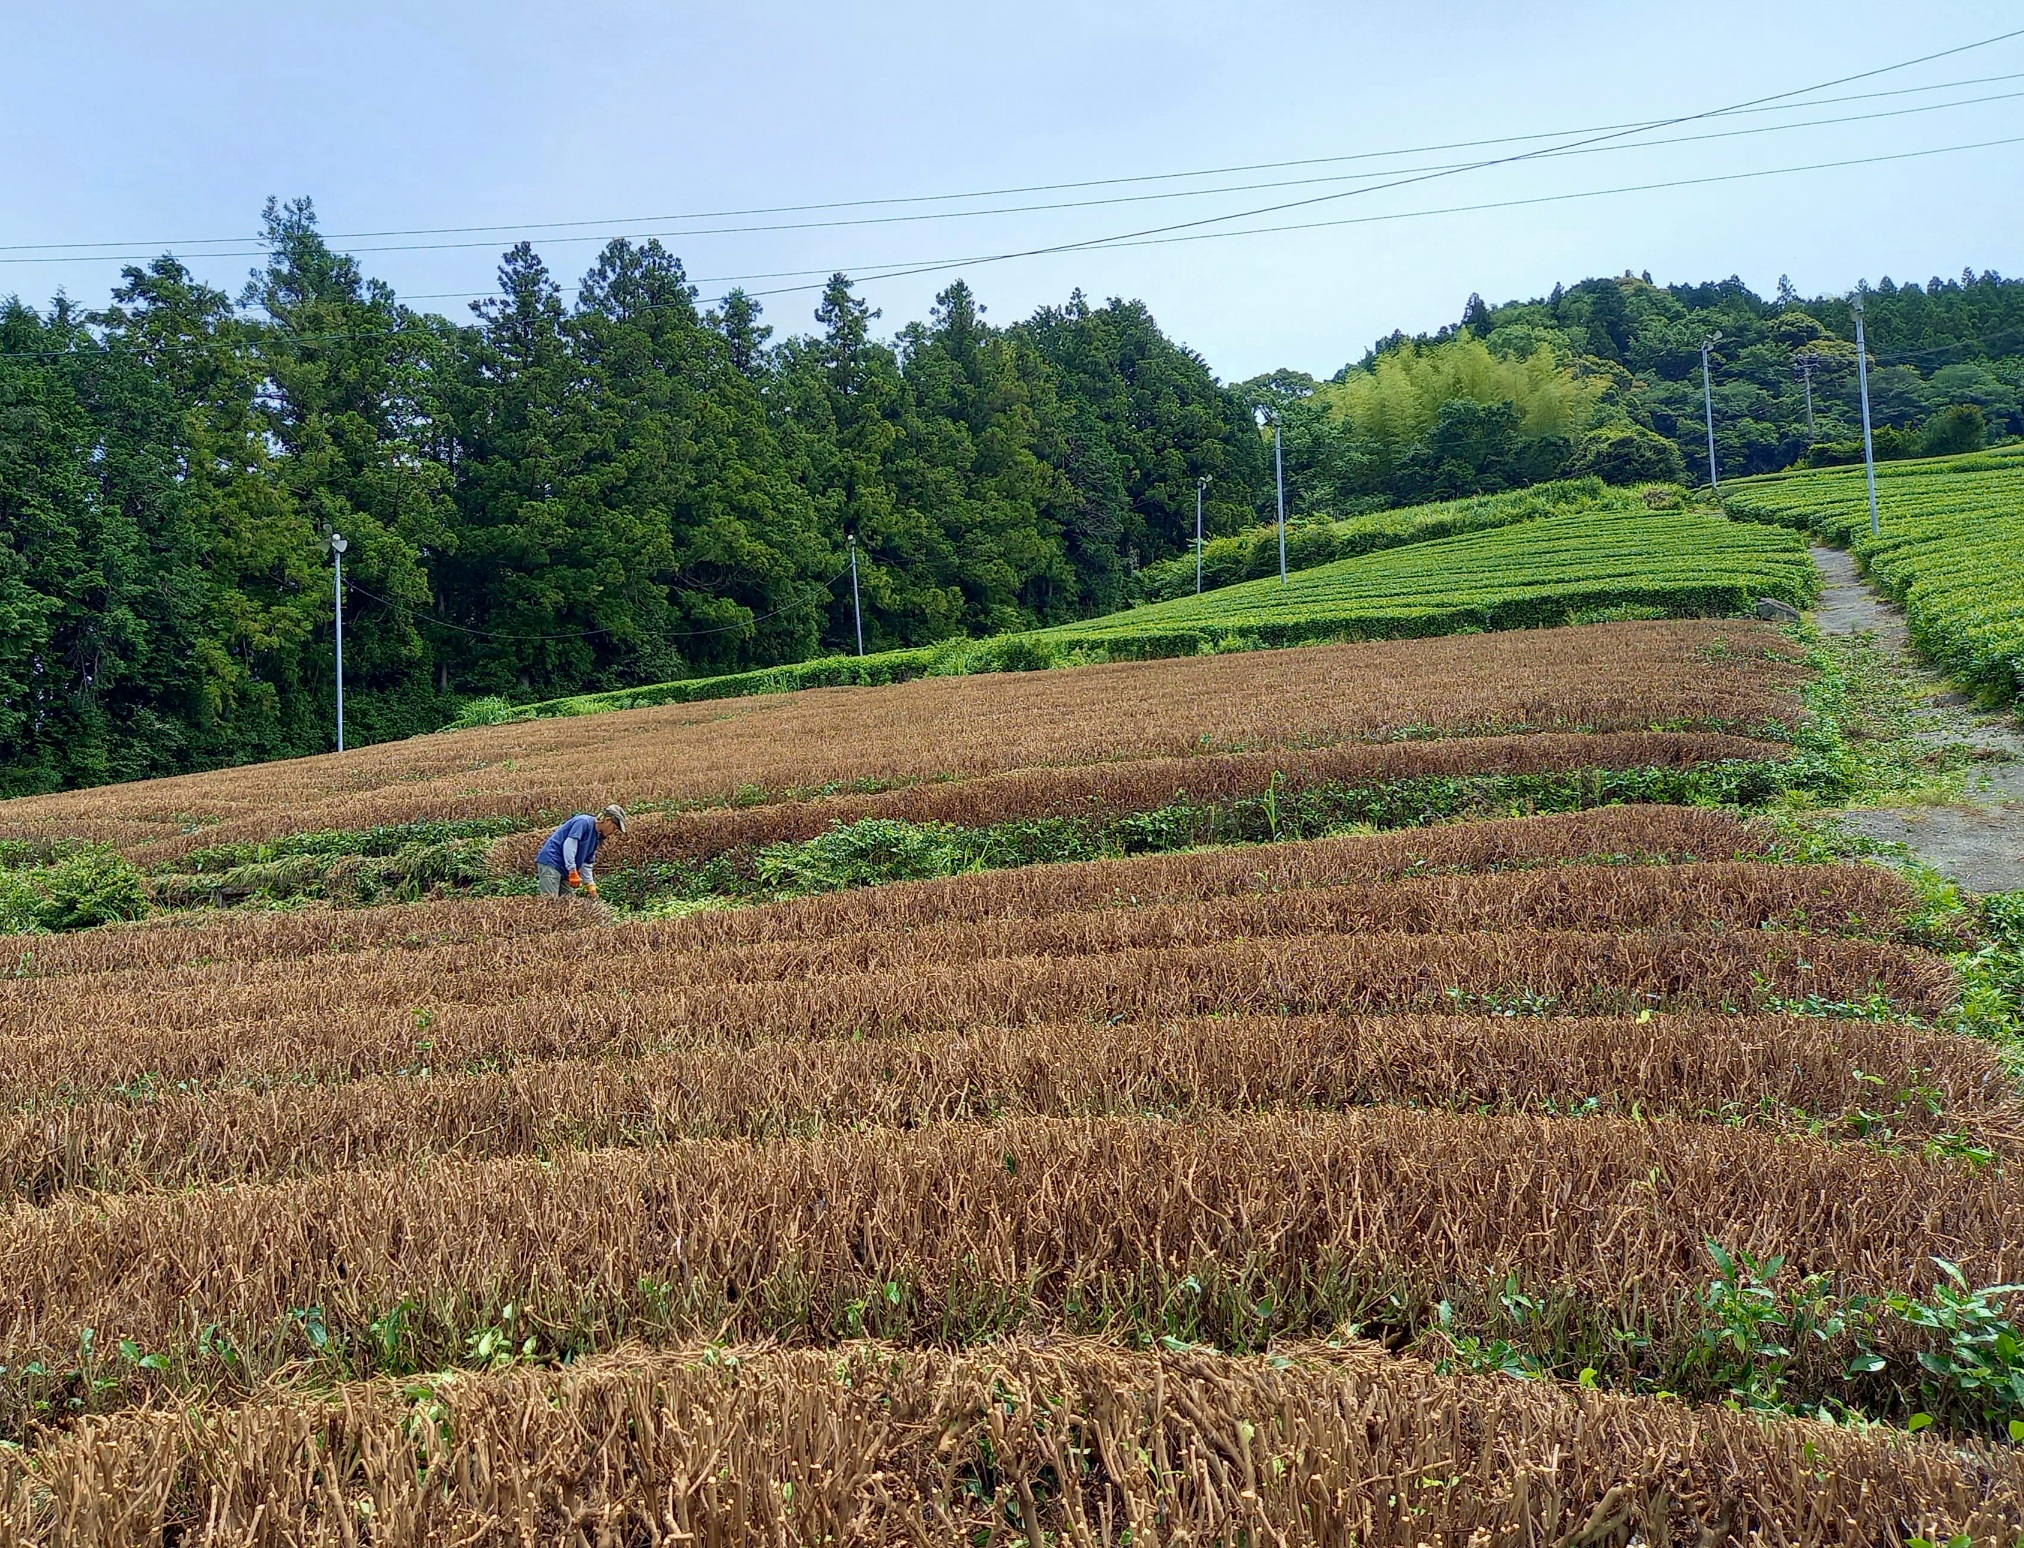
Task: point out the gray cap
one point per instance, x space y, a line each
616 814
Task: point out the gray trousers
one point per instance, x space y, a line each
549 880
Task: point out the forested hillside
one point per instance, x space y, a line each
1605 377
548 498
567 493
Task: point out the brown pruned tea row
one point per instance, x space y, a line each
1071 1442
376 1020
198 938
1683 899
1711 675
1232 1229
1107 790
1783 1072
1824 899
1618 834
1609 835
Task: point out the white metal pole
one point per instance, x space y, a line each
1868 446
1708 403
1279 482
1201 488
337 548
856 607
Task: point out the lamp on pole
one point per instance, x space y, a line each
1271 416
1201 489
1868 447
337 546
1708 402
856 607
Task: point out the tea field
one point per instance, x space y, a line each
1950 550
1537 558
1393 1092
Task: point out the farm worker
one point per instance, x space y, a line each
571 848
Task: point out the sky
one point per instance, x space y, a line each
147 127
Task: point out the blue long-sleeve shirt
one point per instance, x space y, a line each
572 846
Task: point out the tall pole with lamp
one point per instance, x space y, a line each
1201 489
1868 446
1708 403
337 545
1271 416
856 607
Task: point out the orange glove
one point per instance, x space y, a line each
576 878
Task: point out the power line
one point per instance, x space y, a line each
1130 237
1765 106
999 211
872 274
1109 244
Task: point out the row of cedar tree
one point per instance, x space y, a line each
553 498
550 498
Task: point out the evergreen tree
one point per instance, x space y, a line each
743 333
351 373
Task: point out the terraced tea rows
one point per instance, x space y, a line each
1536 574
1724 677
1216 1195
880 1444
1951 550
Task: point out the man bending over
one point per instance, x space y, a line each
570 850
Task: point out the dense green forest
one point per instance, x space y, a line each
1604 377
557 497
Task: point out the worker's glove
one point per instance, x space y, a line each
591 889
576 878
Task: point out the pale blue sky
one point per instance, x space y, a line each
158 124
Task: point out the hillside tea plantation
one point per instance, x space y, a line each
1312 541
1570 552
1951 550
1385 1093
1608 562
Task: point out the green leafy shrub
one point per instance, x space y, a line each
491 710
861 854
1974 1370
20 904
81 889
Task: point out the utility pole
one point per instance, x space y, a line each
337 548
1271 416
1708 402
1804 366
1201 489
1868 446
856 607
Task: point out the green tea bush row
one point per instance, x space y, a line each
1951 551
1318 540
1535 574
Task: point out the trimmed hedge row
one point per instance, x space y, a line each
1537 574
1951 551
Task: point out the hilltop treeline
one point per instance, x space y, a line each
1605 377
561 495
548 498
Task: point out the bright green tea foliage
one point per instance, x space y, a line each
1612 561
1951 550
1312 541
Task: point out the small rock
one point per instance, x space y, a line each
1776 611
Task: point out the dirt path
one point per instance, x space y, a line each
1979 841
